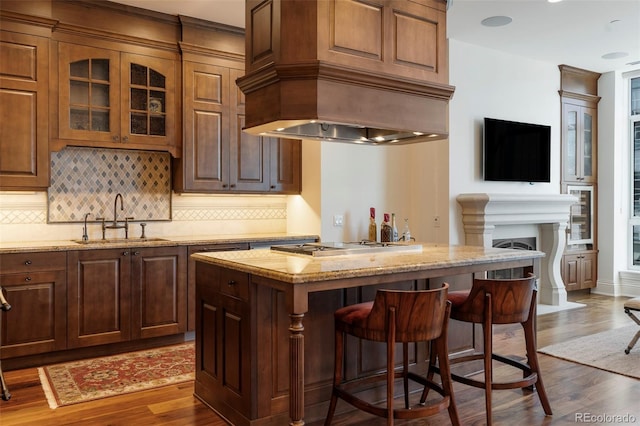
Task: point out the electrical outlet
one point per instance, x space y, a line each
436 221
338 220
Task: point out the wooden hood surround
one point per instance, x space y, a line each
371 72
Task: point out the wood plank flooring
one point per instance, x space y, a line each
573 389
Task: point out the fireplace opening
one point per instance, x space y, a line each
526 243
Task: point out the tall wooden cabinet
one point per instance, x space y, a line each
218 157
579 99
24 114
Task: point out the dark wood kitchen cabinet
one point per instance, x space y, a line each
115 99
218 156
191 275
117 295
35 287
579 270
24 120
223 336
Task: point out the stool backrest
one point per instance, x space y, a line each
512 300
419 315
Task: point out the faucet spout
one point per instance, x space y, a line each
115 208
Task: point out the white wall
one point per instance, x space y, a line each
494 84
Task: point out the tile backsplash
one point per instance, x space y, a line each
86 180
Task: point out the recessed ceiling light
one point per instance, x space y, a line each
496 21
615 55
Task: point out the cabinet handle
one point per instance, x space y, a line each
224 185
27 279
231 283
125 139
115 138
135 253
125 253
27 262
272 187
233 185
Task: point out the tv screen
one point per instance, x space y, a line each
519 152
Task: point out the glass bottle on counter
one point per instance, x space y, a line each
385 229
394 228
406 233
373 228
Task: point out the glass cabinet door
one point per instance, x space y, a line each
581 215
89 91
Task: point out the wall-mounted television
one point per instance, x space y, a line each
514 151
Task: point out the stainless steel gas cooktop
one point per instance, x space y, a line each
341 249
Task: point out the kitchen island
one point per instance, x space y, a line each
264 321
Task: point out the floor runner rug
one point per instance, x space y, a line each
86 380
602 350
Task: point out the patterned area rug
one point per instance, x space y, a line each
602 350
86 380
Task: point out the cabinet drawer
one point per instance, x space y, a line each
234 284
29 262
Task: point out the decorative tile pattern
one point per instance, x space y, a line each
231 213
23 216
86 180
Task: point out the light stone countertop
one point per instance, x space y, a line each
190 240
303 268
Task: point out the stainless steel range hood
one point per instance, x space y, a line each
307 78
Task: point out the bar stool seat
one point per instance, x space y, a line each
631 306
396 317
492 302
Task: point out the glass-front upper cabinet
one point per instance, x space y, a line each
581 218
89 93
111 99
579 143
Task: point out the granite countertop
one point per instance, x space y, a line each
65 245
302 268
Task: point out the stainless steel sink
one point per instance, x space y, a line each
130 241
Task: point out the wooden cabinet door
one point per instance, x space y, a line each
148 100
223 337
579 270
249 160
89 94
191 275
24 120
205 160
99 297
286 166
37 321
159 291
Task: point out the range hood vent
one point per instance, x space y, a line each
381 82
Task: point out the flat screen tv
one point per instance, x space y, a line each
518 152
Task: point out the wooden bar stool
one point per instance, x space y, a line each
492 302
396 317
629 306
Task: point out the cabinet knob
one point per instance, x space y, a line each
115 138
231 283
125 139
27 262
135 253
224 185
272 187
27 279
233 185
125 253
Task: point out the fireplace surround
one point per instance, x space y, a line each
483 212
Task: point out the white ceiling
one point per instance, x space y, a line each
572 32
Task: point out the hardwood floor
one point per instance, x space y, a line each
573 389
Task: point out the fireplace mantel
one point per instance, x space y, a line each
482 212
